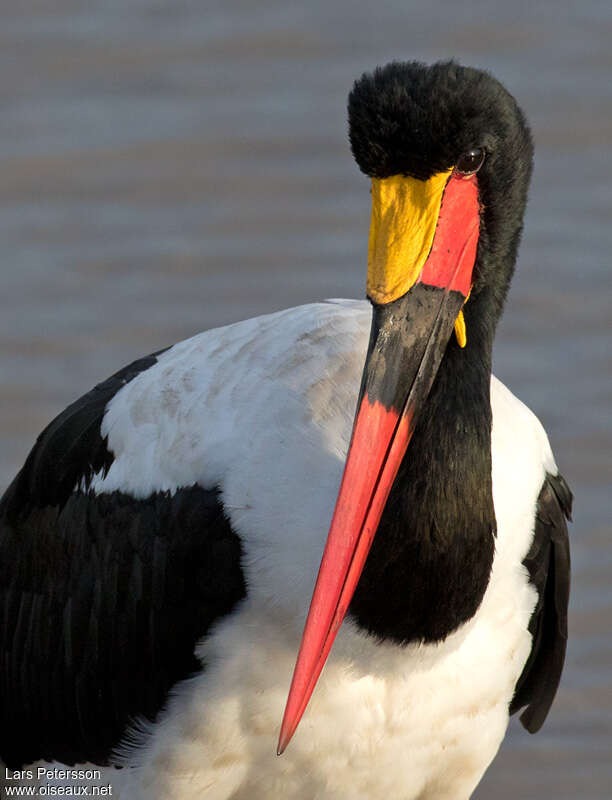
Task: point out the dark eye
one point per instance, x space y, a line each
470 162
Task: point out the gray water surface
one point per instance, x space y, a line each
169 167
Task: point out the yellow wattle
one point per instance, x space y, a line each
460 330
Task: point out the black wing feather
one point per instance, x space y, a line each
548 564
102 596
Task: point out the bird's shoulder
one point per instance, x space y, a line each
202 407
160 422
521 458
517 432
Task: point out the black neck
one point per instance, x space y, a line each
431 558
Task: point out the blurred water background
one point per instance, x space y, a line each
167 167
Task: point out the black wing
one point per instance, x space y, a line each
548 563
102 597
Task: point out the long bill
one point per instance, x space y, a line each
422 249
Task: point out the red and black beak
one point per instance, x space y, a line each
410 333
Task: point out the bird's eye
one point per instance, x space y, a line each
470 162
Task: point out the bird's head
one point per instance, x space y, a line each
425 134
449 154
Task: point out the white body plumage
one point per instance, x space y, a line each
263 410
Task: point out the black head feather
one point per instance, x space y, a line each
412 119
407 118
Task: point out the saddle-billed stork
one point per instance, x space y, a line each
161 542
